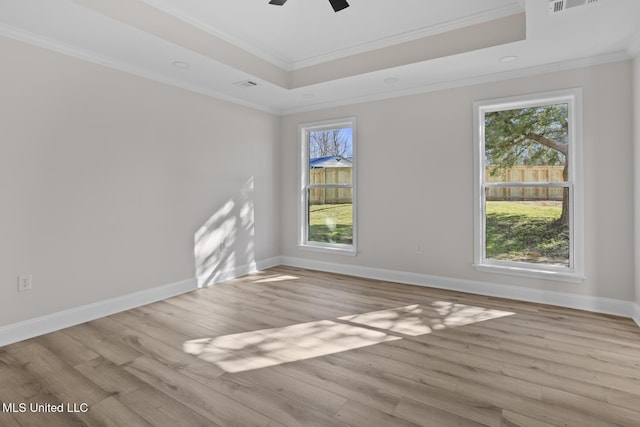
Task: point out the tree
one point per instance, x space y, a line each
530 136
330 142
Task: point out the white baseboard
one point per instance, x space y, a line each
577 301
636 313
16 332
55 321
73 316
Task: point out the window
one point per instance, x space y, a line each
328 192
528 192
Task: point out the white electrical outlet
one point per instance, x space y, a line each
420 248
24 282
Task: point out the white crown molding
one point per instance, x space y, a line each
487 78
409 36
633 47
636 313
561 299
63 319
68 50
47 43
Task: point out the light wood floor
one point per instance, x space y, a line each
290 347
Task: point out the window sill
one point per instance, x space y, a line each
335 250
559 276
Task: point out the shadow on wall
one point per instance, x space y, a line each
225 242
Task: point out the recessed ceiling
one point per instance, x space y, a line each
308 32
304 56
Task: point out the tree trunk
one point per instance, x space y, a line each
564 216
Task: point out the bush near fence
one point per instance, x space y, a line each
525 174
331 196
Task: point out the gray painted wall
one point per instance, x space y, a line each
424 144
105 178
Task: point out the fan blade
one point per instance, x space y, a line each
338 5
278 2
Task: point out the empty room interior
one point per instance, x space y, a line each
320 213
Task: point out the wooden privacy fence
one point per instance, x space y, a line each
525 174
321 196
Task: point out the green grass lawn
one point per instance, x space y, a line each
526 231
516 231
331 223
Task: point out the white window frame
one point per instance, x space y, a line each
303 212
575 271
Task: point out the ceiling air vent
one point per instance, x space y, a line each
556 6
246 83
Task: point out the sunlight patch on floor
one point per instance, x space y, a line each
277 278
417 319
270 347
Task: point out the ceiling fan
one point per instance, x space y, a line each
337 5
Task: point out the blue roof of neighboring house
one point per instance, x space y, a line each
318 161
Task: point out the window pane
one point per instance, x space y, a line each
527 228
330 156
330 215
527 144
332 174
525 193
525 174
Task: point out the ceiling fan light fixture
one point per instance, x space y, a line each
337 5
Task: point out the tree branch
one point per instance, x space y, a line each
547 143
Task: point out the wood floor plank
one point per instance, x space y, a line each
172 357
159 409
104 345
56 375
205 401
345 386
470 408
445 359
543 411
357 414
109 376
295 389
168 321
277 407
205 319
512 419
151 328
19 387
444 370
425 415
532 357
440 357
595 408
112 413
67 348
8 420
